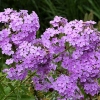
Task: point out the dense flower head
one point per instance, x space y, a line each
58 21
18 26
65 58
92 88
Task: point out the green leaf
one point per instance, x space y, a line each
81 9
26 97
98 26
1 74
11 87
93 5
86 17
7 90
2 89
90 17
94 12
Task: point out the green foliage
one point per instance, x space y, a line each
88 16
14 90
94 6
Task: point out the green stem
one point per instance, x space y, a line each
2 78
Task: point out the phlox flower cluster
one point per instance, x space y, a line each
17 27
66 58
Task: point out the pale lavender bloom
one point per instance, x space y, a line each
9 61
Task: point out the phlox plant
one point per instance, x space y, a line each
64 59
